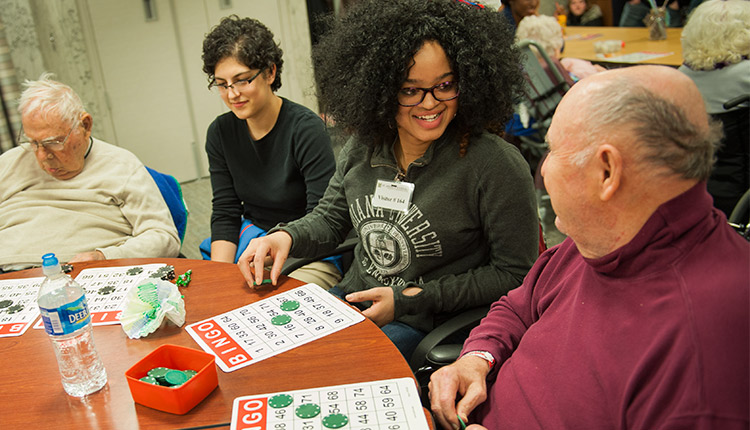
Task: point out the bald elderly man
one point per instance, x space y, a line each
639 319
65 192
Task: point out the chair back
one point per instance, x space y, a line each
739 219
171 191
730 176
542 92
545 84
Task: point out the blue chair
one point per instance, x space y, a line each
171 191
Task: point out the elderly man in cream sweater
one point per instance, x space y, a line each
65 192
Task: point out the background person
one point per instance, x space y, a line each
546 31
634 12
270 159
716 49
582 13
639 319
515 10
423 81
64 191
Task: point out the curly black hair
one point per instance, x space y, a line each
363 61
247 40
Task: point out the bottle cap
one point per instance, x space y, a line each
49 259
50 265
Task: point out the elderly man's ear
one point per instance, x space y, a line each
609 170
87 122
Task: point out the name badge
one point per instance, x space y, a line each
393 195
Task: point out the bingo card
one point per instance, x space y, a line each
391 404
18 308
105 289
273 325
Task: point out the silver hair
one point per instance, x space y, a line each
717 33
50 97
663 138
579 157
543 29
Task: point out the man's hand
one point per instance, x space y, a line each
383 306
464 379
275 246
88 256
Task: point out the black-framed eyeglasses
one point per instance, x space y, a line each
48 144
238 85
412 96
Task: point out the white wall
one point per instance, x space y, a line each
142 80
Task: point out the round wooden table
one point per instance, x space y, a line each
32 394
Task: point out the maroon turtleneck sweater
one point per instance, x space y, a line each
652 336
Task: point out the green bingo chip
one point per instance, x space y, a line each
190 373
158 373
149 380
290 305
281 319
335 421
175 378
308 410
461 422
280 401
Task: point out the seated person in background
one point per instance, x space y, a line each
270 159
546 31
639 319
515 10
582 13
716 49
635 11
65 192
445 211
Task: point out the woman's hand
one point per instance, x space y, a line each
383 306
264 250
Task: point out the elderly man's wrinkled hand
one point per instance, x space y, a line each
458 389
88 256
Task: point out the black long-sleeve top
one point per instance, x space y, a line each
277 178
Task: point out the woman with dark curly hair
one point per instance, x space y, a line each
445 212
270 159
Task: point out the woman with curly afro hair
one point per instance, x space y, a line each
444 211
270 159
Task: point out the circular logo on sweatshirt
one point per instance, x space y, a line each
386 245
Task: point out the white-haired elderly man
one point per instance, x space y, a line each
64 191
639 319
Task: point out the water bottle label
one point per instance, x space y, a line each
66 319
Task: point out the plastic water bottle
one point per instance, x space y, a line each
65 313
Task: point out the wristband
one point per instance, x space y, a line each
483 355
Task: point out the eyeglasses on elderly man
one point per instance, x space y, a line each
51 144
